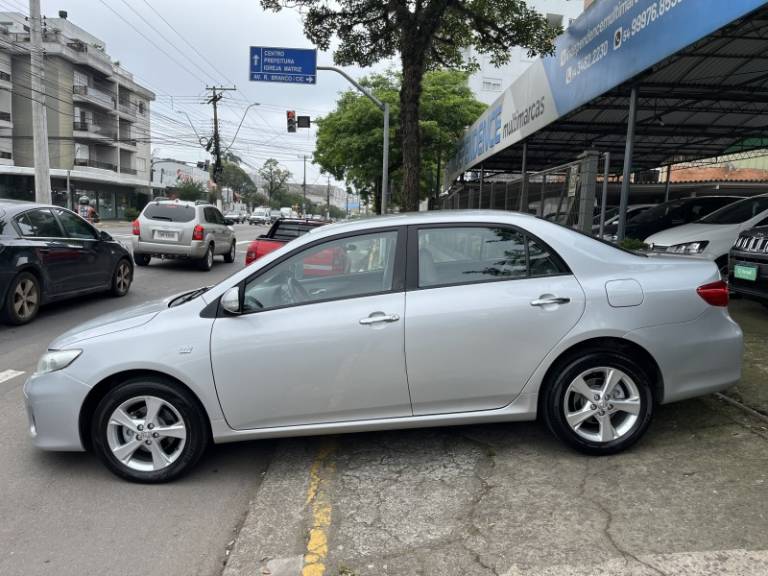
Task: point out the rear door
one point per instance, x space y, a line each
485 304
95 257
214 222
61 263
167 223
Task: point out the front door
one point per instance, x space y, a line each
93 269
315 348
487 306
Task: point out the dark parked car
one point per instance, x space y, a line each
50 253
748 265
669 214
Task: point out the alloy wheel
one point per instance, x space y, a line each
146 433
602 404
123 278
25 299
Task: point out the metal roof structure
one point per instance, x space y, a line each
705 100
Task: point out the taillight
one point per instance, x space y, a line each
197 233
249 257
714 294
136 228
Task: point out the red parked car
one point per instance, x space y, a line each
325 263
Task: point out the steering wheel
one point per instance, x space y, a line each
297 291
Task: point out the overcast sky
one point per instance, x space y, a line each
221 31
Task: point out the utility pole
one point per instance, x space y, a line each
217 167
304 185
39 116
328 199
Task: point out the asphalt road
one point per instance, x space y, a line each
65 514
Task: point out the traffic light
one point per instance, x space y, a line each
291 114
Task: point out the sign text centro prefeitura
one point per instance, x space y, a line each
290 65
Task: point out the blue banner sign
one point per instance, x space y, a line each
613 41
288 65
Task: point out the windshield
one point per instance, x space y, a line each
738 212
169 212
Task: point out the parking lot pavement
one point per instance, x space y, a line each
691 498
64 514
753 388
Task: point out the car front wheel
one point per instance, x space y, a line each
122 278
600 403
229 257
148 430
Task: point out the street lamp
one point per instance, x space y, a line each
241 123
199 139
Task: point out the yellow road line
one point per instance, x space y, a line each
320 477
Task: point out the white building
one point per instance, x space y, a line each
490 81
98 119
169 173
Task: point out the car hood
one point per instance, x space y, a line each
111 322
692 233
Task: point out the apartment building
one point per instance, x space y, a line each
98 119
489 81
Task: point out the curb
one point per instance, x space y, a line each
272 539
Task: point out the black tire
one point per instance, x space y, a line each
122 278
206 262
141 259
194 420
229 257
14 310
555 397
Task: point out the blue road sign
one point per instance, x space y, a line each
290 65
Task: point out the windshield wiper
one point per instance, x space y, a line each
187 297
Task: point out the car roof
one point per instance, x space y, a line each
177 203
12 207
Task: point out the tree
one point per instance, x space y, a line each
190 190
349 139
426 34
275 178
234 177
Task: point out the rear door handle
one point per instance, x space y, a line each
552 300
379 318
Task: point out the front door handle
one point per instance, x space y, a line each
551 300
378 318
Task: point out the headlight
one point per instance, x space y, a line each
689 247
56 360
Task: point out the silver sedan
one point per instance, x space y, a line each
418 320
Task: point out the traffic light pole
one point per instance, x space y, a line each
384 107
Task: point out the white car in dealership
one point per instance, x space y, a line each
712 236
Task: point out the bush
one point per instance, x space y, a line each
131 214
633 244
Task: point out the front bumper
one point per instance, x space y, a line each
194 250
53 403
695 358
752 290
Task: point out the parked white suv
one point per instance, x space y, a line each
177 229
712 236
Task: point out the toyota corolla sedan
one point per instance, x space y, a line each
440 318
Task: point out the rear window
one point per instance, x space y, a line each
285 230
169 212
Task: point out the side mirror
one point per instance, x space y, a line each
230 301
229 222
105 236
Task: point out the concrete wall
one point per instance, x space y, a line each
22 112
59 80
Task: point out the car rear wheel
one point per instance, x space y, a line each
599 403
229 257
141 259
148 430
122 278
206 262
23 300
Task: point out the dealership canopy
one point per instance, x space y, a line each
699 69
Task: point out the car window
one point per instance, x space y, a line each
39 224
342 268
220 217
209 215
450 256
659 212
169 212
74 226
738 212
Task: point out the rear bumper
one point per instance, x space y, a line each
53 403
194 250
695 358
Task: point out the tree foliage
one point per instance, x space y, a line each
349 139
425 34
190 190
275 178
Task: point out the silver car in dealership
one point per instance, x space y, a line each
420 320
